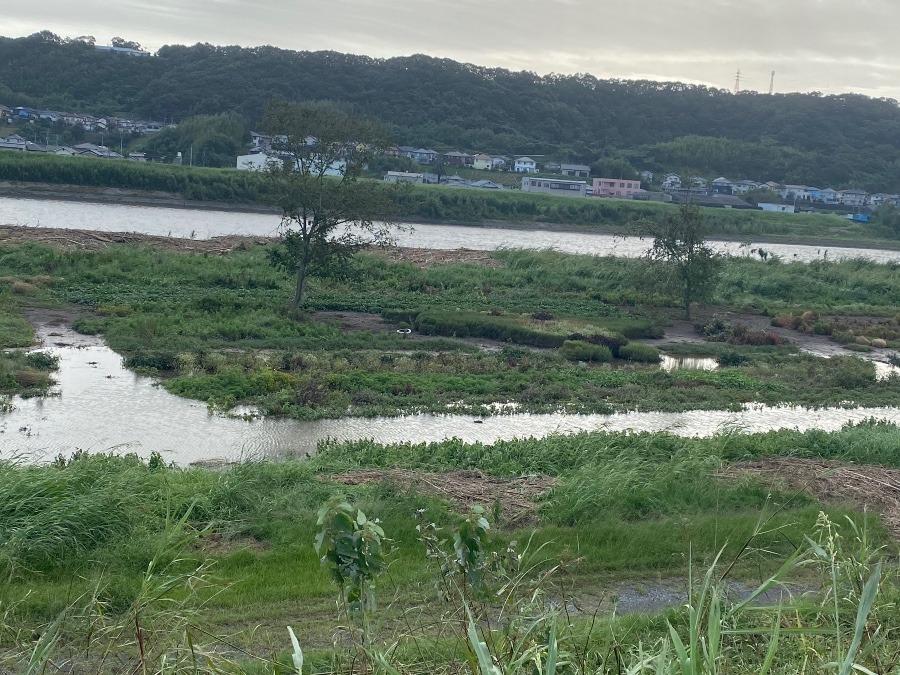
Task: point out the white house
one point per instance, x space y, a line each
854 197
403 177
14 142
829 196
780 208
672 181
525 165
880 198
260 161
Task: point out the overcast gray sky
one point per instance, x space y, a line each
813 45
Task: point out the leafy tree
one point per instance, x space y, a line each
888 217
127 44
215 139
328 212
681 258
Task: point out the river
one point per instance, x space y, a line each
199 224
100 406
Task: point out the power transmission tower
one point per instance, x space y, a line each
737 82
772 84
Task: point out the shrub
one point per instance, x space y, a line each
857 347
577 350
636 351
158 360
730 358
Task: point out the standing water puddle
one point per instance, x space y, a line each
671 363
100 406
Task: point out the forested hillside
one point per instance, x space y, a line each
841 141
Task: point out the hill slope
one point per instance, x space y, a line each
836 140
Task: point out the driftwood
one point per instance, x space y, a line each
865 486
464 489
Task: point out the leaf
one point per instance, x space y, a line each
866 600
297 654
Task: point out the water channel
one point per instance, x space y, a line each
166 221
99 406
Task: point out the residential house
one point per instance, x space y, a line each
779 208
829 196
137 156
646 176
456 158
407 151
50 115
742 187
615 187
151 127
482 161
23 113
524 165
793 192
722 186
260 141
425 156
881 198
577 170
5 111
499 162
854 198
699 182
14 142
671 181
565 188
455 181
403 177
92 150
256 161
771 185
552 167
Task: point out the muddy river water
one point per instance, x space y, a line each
98 405
163 221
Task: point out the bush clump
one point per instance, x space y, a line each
636 351
578 350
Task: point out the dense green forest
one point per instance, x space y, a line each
842 140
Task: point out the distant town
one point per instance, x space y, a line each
442 168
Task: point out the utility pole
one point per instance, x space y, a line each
737 82
772 84
192 156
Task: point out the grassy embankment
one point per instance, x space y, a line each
437 203
20 373
215 325
95 544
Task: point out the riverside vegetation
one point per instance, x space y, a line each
562 330
114 565
440 203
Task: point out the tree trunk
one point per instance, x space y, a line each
299 286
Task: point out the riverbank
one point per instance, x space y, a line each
601 216
515 331
219 562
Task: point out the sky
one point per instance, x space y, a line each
831 46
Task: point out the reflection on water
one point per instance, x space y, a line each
100 406
671 363
202 224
